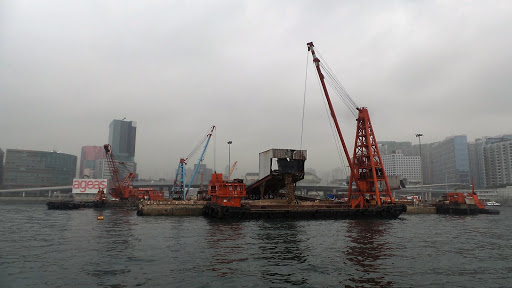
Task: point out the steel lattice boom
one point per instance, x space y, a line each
366 167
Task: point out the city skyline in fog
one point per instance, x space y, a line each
177 68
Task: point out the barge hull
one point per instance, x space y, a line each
293 212
72 205
464 210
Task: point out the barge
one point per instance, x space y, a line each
301 211
73 205
456 203
226 203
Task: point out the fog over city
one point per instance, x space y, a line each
68 68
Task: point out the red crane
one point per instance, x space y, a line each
124 190
366 167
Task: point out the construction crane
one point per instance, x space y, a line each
124 190
366 166
232 169
180 178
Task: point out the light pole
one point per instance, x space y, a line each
421 170
229 156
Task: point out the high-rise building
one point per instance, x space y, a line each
391 147
498 163
121 137
426 161
88 159
450 161
408 167
1 166
203 175
32 169
477 160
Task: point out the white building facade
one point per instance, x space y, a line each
403 166
498 163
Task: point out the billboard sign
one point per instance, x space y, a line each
89 185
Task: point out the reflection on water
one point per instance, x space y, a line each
367 250
225 241
280 247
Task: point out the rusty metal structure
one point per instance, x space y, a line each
278 169
366 167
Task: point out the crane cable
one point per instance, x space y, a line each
334 133
198 145
338 88
304 100
336 85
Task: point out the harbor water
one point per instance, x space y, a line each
54 248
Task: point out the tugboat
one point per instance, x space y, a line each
457 203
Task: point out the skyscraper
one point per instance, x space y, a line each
121 137
498 163
450 161
481 165
88 159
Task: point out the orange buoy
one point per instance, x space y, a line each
100 217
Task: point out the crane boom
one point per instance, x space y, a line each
124 190
316 61
366 166
111 162
232 169
200 160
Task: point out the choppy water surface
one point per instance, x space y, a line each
48 248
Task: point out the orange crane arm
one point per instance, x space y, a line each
232 169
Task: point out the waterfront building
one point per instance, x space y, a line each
450 161
405 167
121 137
476 159
31 169
426 161
1 167
391 147
88 158
497 163
203 175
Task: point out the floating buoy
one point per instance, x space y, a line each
100 217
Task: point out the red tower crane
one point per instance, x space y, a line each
124 190
366 167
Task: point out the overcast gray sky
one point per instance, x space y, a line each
67 68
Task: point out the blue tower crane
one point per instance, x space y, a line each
180 179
